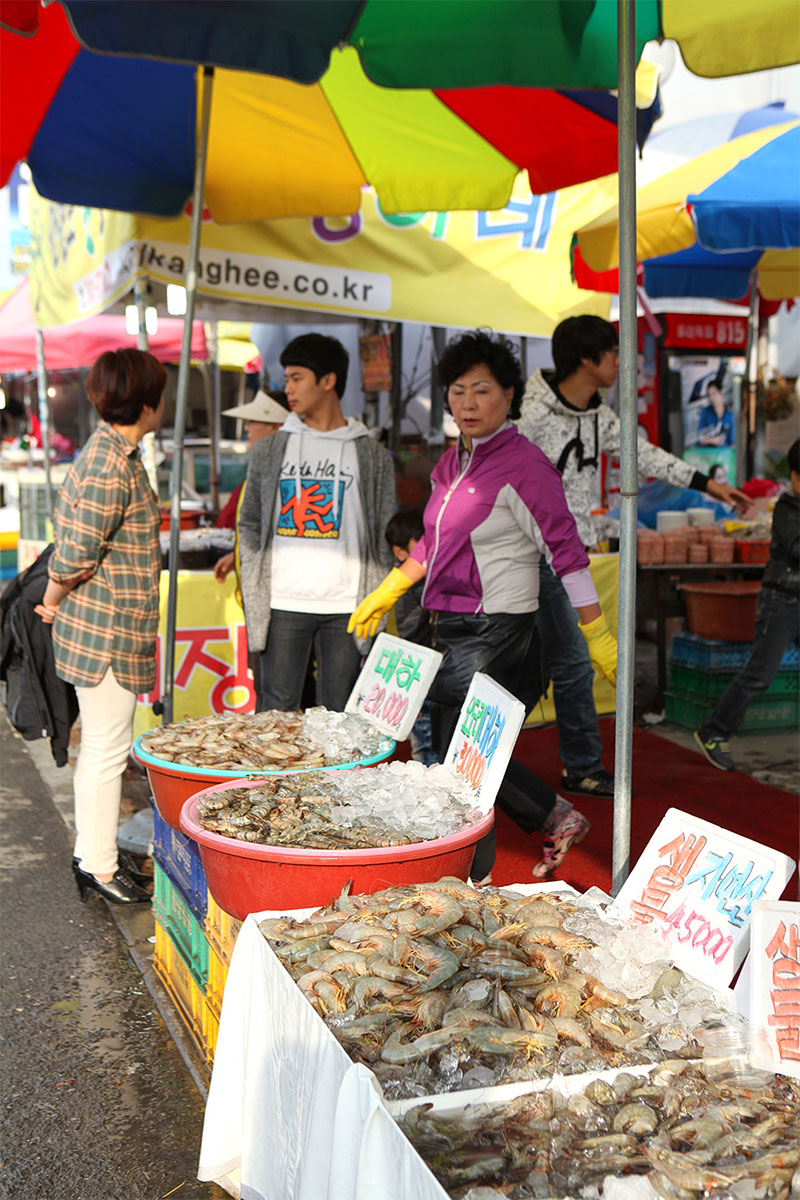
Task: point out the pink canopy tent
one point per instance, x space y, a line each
80 343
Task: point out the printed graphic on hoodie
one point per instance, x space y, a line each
314 509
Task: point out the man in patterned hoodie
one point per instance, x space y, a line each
564 415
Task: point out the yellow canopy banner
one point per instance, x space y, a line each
211 673
507 269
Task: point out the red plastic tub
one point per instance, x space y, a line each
173 784
244 877
725 611
190 518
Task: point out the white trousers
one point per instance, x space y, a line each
107 712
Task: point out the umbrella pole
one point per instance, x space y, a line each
751 359
626 135
143 343
181 399
44 420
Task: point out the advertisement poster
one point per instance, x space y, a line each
710 391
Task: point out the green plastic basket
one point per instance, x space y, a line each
181 924
709 685
766 714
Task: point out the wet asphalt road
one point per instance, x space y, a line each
97 1103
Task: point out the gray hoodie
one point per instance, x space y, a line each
573 439
256 523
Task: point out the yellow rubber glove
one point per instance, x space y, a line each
602 647
376 605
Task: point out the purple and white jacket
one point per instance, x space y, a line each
492 513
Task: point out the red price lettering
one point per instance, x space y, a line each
394 709
391 708
471 764
712 942
374 700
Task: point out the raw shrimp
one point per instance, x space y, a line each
396 1050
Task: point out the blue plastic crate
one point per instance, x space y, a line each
180 858
704 654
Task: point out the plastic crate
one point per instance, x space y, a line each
221 930
215 988
183 990
766 714
709 685
710 655
210 1032
180 858
182 925
749 551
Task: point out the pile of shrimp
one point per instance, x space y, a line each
692 1138
229 741
439 987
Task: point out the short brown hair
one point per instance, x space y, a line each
123 382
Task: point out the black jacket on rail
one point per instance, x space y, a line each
39 704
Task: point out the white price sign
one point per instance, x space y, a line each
487 730
393 684
699 884
775 984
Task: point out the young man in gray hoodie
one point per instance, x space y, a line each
564 415
319 495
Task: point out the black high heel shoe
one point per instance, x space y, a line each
126 864
119 890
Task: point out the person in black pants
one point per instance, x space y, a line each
776 626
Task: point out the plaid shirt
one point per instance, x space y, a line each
106 537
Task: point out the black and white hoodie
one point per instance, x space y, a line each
573 439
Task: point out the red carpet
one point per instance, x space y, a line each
664 776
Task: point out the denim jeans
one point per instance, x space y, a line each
566 659
290 640
499 645
776 628
421 745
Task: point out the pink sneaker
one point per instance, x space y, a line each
558 842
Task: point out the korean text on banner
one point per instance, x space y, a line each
700 882
775 984
393 684
211 674
485 736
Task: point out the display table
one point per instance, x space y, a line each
289 1115
660 581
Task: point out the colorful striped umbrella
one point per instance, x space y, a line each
433 43
116 132
704 227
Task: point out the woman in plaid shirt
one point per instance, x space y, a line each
102 599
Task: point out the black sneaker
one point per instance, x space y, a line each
596 783
716 750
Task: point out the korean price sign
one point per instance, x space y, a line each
699 883
487 729
393 684
775 984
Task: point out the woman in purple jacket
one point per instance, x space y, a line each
497 504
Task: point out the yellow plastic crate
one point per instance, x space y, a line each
171 968
210 1031
217 974
221 930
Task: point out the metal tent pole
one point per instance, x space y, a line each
626 137
182 396
751 370
143 343
44 419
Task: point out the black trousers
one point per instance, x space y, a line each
504 646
